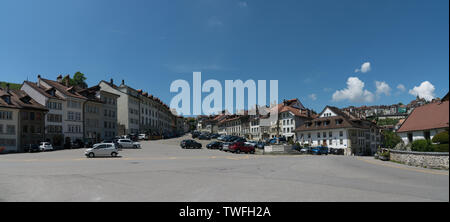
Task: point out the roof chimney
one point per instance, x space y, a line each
7 87
39 81
111 81
59 79
67 81
123 82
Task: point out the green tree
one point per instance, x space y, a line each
391 139
79 80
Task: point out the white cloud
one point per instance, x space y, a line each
354 92
425 90
313 97
382 88
365 67
401 87
242 4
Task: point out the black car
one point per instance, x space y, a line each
204 137
260 145
77 144
336 151
30 148
195 135
239 139
214 145
190 144
215 136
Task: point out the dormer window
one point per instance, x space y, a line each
26 99
7 99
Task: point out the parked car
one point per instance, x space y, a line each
214 145
225 146
190 144
195 134
220 138
30 148
319 150
102 149
214 136
143 136
204 137
336 151
239 147
260 145
76 144
126 143
305 150
45 146
251 143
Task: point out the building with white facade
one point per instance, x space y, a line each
56 106
128 106
336 129
425 121
22 120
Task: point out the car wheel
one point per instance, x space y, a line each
91 155
238 151
114 154
252 152
134 146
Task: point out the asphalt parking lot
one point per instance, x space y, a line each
162 171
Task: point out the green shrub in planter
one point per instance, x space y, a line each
441 138
421 146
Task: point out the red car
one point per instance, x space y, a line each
239 147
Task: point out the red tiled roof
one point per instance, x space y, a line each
68 91
19 99
429 116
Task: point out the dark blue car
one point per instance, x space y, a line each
319 150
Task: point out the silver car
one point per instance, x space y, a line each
225 147
45 146
127 143
102 149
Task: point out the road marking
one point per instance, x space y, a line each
403 167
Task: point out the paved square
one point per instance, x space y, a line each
162 171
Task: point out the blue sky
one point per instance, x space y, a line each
312 47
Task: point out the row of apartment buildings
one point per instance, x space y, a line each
332 127
54 111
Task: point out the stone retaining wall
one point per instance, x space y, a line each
278 149
421 159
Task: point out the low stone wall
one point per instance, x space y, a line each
278 149
421 159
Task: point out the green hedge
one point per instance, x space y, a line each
440 147
421 146
427 146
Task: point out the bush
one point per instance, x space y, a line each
440 147
422 146
441 138
390 139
